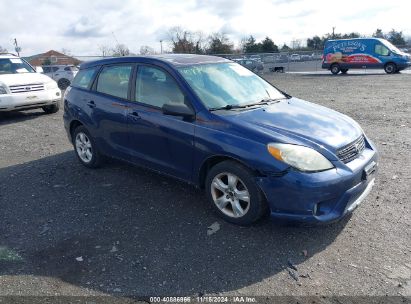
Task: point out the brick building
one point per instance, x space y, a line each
52 57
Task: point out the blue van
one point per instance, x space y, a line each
358 53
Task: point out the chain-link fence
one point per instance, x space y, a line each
293 61
281 62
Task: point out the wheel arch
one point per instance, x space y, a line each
213 160
390 62
73 125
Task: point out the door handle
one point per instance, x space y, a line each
134 115
91 104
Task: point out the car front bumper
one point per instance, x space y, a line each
321 197
29 100
404 65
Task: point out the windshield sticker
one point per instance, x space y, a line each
241 70
22 70
15 60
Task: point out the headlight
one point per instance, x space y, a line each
3 90
299 157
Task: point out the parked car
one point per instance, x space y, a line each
215 124
305 57
295 57
250 64
371 53
255 57
22 88
62 74
282 58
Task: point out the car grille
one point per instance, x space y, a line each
352 150
34 87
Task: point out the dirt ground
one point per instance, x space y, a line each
122 231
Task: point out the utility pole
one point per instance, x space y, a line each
333 32
161 46
16 47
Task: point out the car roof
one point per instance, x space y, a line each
59 65
349 39
176 60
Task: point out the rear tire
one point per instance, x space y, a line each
390 68
232 191
54 108
86 148
335 68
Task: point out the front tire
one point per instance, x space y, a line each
63 83
390 68
54 108
335 68
85 148
234 194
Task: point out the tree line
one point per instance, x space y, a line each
185 41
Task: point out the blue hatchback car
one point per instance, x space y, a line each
215 124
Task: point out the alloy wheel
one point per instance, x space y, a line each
83 147
230 195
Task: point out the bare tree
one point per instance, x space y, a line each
146 50
184 41
3 50
121 50
219 44
296 44
105 50
242 44
66 51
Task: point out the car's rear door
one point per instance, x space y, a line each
160 141
107 105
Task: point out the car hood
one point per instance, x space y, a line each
24 78
301 121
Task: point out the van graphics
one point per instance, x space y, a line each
348 46
339 57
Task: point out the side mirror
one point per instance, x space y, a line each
178 109
39 69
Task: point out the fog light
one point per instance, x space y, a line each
57 93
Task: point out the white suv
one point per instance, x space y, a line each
62 74
22 88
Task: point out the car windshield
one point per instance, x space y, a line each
228 84
392 47
14 66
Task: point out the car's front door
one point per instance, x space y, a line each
162 142
382 53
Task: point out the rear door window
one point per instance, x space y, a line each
114 80
84 78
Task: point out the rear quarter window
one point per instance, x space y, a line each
84 78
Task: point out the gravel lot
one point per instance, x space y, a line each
124 231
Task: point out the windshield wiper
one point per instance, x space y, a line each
226 107
264 101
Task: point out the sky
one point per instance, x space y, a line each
82 26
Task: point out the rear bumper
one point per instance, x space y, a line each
321 197
29 100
